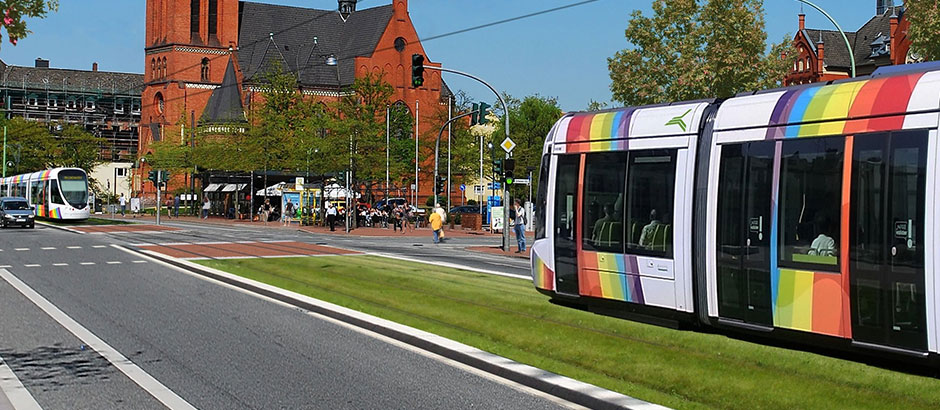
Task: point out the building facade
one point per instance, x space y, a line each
822 55
206 59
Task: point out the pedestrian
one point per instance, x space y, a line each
437 225
406 218
288 212
123 204
205 207
266 211
331 216
519 227
176 206
396 218
440 211
169 206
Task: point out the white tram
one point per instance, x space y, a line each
806 212
58 193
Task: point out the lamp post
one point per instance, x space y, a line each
844 37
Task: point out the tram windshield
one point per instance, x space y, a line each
74 187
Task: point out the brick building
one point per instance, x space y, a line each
823 56
205 59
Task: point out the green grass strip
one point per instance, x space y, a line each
507 317
87 222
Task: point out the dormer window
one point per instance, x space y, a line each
880 46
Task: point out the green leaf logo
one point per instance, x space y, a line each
678 120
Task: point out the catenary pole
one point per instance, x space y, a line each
387 132
844 37
450 115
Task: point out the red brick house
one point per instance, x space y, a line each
205 59
823 56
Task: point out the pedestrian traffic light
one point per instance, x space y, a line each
498 166
481 119
508 170
417 70
164 176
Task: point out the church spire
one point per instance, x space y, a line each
346 7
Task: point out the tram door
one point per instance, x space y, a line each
887 239
566 204
744 222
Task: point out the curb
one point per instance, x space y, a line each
563 387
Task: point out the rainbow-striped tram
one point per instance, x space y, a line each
804 213
58 193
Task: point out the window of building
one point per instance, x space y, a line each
604 176
120 172
163 67
205 69
194 16
213 16
53 102
135 107
33 101
119 107
650 195
89 105
811 201
71 104
807 65
801 65
153 68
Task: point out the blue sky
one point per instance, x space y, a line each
561 54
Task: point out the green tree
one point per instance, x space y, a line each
29 146
924 16
15 11
530 121
76 147
688 51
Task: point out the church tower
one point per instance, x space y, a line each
187 47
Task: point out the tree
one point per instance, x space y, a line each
14 11
924 32
32 146
530 121
687 51
76 147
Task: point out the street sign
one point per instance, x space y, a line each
463 187
508 145
478 190
494 185
412 187
524 181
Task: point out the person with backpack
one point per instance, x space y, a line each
288 212
519 220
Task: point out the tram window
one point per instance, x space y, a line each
56 195
650 195
603 201
542 195
811 200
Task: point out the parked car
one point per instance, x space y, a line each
15 211
393 201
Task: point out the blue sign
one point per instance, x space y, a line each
463 187
494 185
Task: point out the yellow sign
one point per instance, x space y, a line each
508 145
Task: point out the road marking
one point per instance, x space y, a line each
99 246
15 392
86 263
74 247
113 262
451 265
60 264
21 249
118 360
48 248
5 266
139 262
31 265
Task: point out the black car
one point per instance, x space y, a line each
465 209
16 212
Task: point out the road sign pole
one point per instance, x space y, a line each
159 178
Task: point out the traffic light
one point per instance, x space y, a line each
474 114
164 176
508 170
152 176
498 166
417 70
441 186
482 116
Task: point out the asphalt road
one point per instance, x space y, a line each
205 343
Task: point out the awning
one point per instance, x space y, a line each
212 188
230 188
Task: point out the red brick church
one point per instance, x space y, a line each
205 59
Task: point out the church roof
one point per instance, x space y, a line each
269 33
225 104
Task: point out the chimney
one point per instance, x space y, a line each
802 21
40 63
821 54
893 23
94 66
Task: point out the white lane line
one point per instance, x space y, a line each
73 247
113 262
452 265
21 249
5 266
48 248
118 360
32 265
16 393
86 263
60 264
99 246
139 262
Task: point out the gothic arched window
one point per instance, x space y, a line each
205 69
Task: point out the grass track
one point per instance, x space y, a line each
505 316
